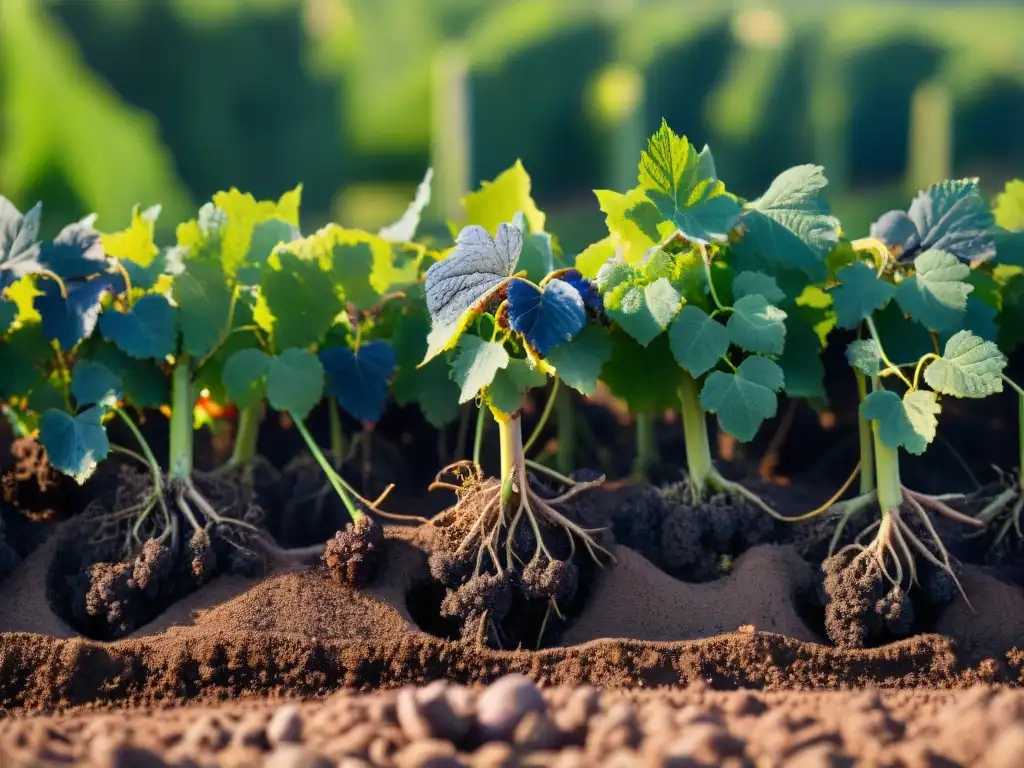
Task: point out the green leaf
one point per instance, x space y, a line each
144 384
697 340
743 400
860 294
539 254
244 376
1009 208
301 299
475 364
790 224
678 185
74 444
147 330
295 382
748 283
204 302
511 385
94 384
952 217
353 267
266 236
922 407
903 341
429 387
908 422
936 296
865 356
801 361
757 326
24 359
579 362
436 394
969 367
644 311
657 389
590 260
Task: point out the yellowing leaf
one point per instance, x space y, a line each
390 266
595 256
135 243
244 212
288 206
500 200
634 241
23 292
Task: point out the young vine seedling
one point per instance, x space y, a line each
324 296
907 292
508 334
696 289
180 313
1006 288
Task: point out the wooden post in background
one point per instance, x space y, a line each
450 135
930 138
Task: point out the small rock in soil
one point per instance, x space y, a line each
292 756
285 725
503 704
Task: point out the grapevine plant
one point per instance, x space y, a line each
338 287
504 335
924 333
1004 286
713 298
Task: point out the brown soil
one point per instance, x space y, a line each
514 723
301 633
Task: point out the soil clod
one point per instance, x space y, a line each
354 555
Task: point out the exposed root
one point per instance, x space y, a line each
500 546
1006 507
895 543
133 518
722 485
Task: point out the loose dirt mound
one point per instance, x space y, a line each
512 722
300 633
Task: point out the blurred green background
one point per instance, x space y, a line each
109 103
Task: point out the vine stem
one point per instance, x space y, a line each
332 476
147 452
881 352
699 465
337 434
182 404
478 435
544 416
867 452
707 272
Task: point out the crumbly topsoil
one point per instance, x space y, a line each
512 723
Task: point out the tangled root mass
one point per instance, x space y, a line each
504 586
111 586
864 608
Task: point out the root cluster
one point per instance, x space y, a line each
867 588
149 548
498 557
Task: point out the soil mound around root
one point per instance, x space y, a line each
302 633
512 722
